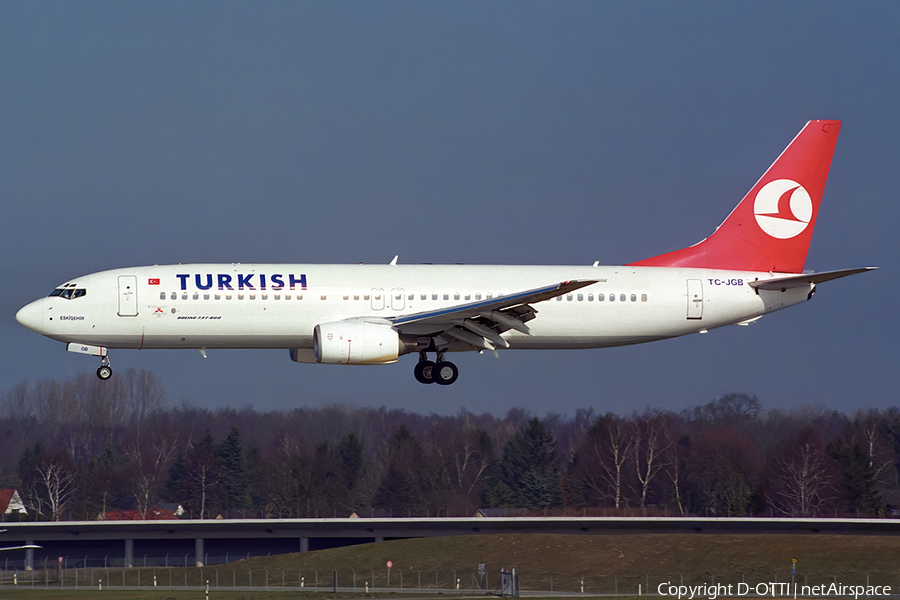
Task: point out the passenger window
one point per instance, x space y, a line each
277 296
356 296
456 295
446 296
412 297
478 296
366 297
600 297
612 297
580 297
643 297
184 296
590 297
162 295
622 297
346 296
559 298
634 297
489 296
323 297
173 296
433 296
468 296
206 295
196 295
218 297
569 297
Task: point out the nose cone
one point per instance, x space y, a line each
32 316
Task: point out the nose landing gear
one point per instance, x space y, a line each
105 371
441 372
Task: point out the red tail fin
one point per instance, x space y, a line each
771 228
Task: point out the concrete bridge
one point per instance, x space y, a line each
126 542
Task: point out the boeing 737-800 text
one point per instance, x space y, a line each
372 314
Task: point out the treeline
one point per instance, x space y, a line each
84 448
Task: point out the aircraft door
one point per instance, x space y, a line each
694 299
398 301
128 306
377 298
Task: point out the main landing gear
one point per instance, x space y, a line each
442 372
105 371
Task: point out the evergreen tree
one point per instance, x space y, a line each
529 468
399 489
106 481
175 488
235 484
860 488
349 466
350 459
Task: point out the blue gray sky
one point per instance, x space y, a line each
136 133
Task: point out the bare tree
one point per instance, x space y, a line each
804 476
148 458
145 395
869 429
606 452
652 441
456 458
51 483
202 470
282 478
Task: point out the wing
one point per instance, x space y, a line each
26 547
481 323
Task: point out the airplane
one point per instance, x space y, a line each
25 547
751 265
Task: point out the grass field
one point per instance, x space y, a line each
606 564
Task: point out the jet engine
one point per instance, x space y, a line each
356 343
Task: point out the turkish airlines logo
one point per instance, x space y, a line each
783 208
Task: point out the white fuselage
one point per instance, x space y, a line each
278 305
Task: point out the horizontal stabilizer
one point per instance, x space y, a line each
794 281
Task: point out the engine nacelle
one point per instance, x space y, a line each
355 343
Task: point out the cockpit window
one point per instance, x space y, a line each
69 293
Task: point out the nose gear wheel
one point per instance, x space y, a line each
105 371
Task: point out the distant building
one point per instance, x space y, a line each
175 507
371 513
11 506
154 514
501 512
